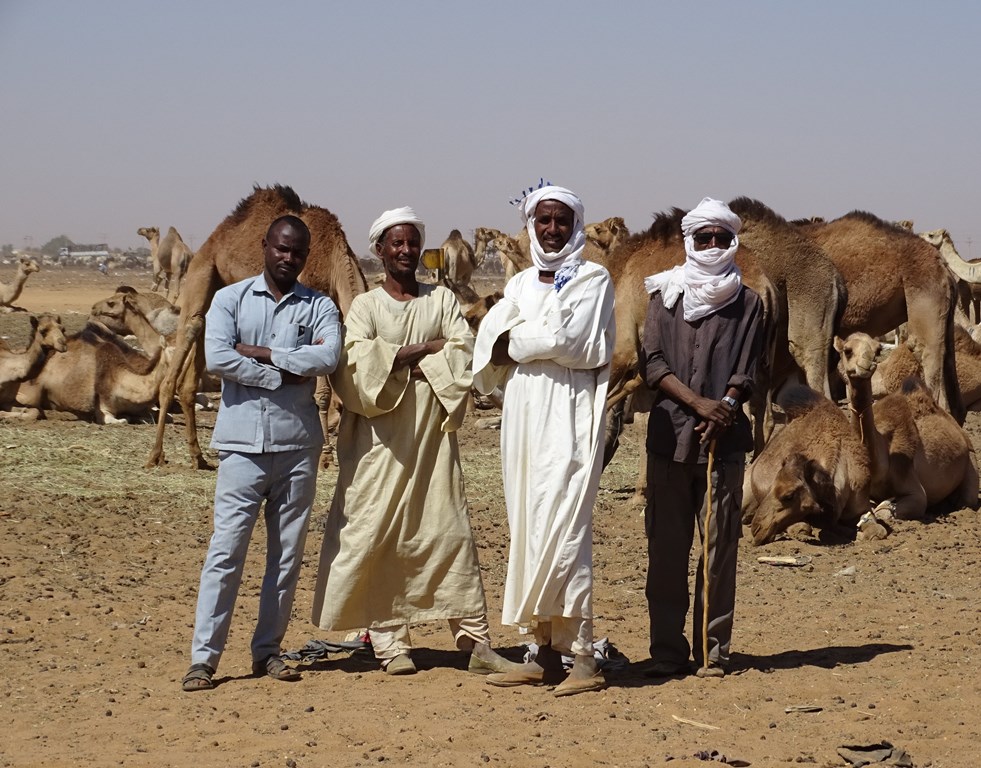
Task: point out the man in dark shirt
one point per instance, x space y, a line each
700 354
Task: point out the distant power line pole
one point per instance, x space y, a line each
969 242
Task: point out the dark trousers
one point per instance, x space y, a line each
675 504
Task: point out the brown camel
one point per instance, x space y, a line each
99 377
903 363
660 248
918 455
170 257
9 292
233 252
47 337
967 273
893 276
813 470
602 238
159 312
809 287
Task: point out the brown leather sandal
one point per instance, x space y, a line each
200 677
276 668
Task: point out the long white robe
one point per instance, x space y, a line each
552 433
398 547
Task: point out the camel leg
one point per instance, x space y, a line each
323 396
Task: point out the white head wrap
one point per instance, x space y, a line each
566 262
709 279
390 219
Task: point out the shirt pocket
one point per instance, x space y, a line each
302 334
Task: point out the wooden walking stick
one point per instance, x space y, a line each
705 557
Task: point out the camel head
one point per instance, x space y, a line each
150 233
802 490
936 237
479 309
608 232
49 330
27 265
111 312
904 224
858 355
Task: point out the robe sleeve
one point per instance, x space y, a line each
448 371
578 331
364 379
500 318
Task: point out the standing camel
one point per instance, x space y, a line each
458 259
170 256
893 276
231 253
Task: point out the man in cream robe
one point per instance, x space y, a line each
549 344
398 547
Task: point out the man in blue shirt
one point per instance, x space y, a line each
268 337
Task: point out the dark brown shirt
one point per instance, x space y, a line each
708 356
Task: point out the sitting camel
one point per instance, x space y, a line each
9 292
99 377
903 362
918 455
170 256
813 470
47 336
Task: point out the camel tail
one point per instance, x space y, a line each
955 402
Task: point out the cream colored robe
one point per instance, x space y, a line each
398 547
552 433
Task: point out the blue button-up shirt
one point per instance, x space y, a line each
258 413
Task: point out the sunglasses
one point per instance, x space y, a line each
722 239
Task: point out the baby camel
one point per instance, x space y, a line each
10 291
918 455
47 336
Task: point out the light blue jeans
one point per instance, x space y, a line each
287 482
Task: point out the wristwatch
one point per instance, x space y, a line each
731 402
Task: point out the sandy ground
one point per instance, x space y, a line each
99 562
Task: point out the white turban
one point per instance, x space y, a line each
709 279
566 262
392 218
710 213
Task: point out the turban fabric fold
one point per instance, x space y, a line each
392 218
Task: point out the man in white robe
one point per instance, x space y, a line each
398 548
549 344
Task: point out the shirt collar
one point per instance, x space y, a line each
259 285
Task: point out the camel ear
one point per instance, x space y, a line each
839 344
822 486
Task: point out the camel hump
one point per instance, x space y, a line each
748 208
798 400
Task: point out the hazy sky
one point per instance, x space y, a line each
129 113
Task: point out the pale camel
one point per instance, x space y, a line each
512 257
814 470
47 337
9 292
903 363
99 377
170 257
968 273
458 259
231 253
893 276
918 455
